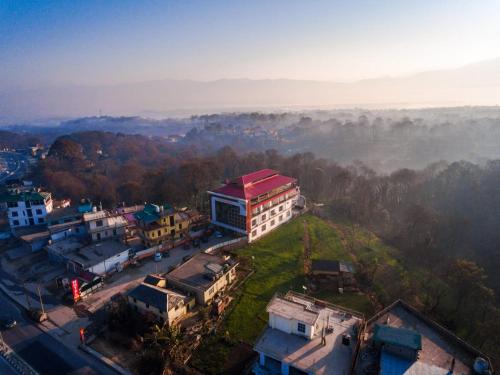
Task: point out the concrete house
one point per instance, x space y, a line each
204 276
307 336
158 224
104 224
27 208
154 298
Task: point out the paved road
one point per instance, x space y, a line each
12 165
43 352
5 369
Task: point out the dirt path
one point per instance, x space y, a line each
307 250
349 245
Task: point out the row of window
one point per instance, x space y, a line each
38 211
272 223
27 204
264 216
39 220
268 205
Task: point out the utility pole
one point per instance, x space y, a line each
40 296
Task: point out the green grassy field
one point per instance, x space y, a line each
278 264
278 261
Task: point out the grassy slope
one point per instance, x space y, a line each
278 261
279 268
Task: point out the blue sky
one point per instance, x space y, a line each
107 42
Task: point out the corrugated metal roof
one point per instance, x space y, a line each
254 184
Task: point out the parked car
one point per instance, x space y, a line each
157 257
218 234
204 239
196 243
8 323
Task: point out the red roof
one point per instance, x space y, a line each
254 184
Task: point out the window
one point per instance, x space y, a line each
281 208
38 211
229 214
273 212
180 226
272 222
288 213
159 233
254 222
98 223
15 222
172 232
40 220
301 327
147 306
11 204
263 217
114 232
254 233
263 228
211 291
15 214
172 223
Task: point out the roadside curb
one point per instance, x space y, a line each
52 334
103 359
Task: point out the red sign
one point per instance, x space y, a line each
75 288
82 335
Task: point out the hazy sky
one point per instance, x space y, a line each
95 42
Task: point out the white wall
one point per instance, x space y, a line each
289 326
109 265
22 214
263 226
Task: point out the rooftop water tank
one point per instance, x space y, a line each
481 366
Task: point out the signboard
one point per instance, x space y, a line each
82 335
75 288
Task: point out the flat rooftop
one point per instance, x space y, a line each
91 255
310 355
439 346
194 272
65 246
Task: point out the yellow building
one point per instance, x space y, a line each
160 224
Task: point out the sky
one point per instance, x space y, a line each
110 42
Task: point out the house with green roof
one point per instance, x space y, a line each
158 224
27 208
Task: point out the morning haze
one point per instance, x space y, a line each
249 187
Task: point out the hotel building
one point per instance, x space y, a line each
254 204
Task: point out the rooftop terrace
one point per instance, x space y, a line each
440 347
310 355
194 271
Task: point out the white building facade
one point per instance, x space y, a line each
28 208
254 204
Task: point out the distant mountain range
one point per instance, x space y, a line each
475 84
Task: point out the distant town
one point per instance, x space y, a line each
143 289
